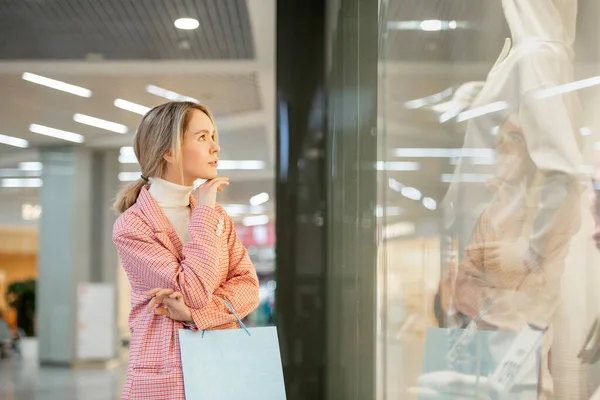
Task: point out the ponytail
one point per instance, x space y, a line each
128 195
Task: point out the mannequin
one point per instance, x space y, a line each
537 58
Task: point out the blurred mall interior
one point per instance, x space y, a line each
366 144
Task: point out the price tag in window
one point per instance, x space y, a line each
525 345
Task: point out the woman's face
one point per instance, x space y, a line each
513 158
199 152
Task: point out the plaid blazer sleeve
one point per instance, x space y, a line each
149 264
240 289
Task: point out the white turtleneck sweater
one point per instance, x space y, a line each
174 200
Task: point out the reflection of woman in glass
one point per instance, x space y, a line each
500 269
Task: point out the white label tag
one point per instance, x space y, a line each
525 345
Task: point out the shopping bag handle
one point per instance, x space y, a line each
242 326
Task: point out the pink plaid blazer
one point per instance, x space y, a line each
212 265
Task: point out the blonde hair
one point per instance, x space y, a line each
160 132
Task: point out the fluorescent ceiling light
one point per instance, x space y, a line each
255 220
241 209
448 115
186 23
397 166
128 159
473 161
242 164
129 176
432 99
30 166
259 199
58 85
56 133
443 153
569 87
429 203
20 182
467 178
395 185
411 193
388 211
480 111
100 123
13 141
129 106
127 151
431 25
167 94
585 131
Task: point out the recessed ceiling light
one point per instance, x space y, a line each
187 24
13 141
129 106
56 133
168 94
58 85
100 123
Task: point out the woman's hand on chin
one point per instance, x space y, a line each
169 303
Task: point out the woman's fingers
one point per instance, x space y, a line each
176 296
165 292
161 311
153 292
159 295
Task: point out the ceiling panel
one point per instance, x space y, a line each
124 29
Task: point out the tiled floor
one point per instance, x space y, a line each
22 379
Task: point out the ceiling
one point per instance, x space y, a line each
116 48
125 30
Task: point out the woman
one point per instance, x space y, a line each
181 254
503 281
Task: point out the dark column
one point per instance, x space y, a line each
301 196
326 195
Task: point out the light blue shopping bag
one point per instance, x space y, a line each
232 364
